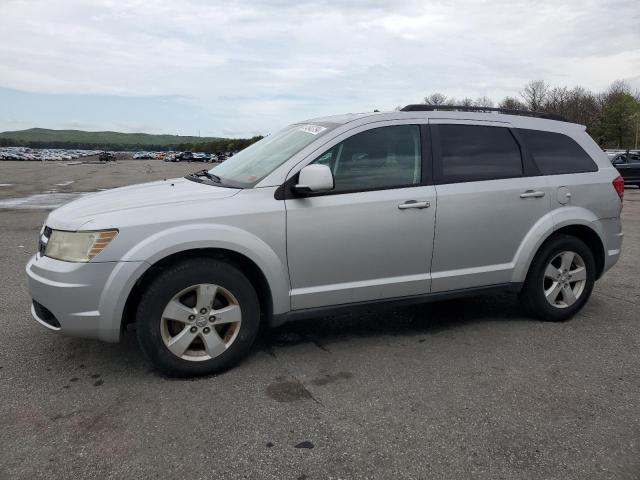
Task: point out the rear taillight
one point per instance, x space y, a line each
618 184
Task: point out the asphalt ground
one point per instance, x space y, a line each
460 389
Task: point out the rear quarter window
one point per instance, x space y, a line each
556 153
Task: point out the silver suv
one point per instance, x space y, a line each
409 206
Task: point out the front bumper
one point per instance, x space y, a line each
84 299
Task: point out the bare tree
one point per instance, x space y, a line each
619 87
483 102
435 99
535 94
556 100
466 102
582 107
511 103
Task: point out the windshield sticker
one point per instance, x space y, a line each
312 129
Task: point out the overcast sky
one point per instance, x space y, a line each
226 68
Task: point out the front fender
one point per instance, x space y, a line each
188 237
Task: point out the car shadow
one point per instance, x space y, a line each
426 319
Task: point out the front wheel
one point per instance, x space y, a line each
198 317
560 279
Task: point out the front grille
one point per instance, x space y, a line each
42 241
45 315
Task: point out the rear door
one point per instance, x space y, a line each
489 198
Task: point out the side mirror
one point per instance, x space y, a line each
314 178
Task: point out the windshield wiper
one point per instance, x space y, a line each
205 173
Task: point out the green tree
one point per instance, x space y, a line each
618 120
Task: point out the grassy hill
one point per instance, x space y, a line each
102 139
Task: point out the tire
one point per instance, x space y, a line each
543 295
222 337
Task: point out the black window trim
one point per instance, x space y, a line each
286 192
529 168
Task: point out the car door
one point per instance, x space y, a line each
489 198
629 167
371 237
620 163
634 168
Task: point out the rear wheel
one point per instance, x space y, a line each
198 317
560 279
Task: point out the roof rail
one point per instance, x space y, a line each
421 107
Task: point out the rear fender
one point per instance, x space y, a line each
544 228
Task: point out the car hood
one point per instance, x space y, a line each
75 214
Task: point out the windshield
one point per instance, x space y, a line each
249 166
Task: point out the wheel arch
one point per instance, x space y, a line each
585 230
266 265
253 272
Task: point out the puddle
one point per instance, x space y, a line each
43 201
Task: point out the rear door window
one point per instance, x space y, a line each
468 153
556 154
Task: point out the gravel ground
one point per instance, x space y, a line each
460 389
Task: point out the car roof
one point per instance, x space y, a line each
517 121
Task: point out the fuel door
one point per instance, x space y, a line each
563 196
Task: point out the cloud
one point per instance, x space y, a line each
258 64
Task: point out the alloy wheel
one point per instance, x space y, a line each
564 279
200 322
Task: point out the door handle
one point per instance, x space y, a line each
413 204
532 194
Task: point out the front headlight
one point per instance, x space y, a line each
78 246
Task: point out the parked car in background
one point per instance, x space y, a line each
201 157
43 154
106 157
329 215
184 157
628 164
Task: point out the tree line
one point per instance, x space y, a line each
216 146
222 145
612 117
